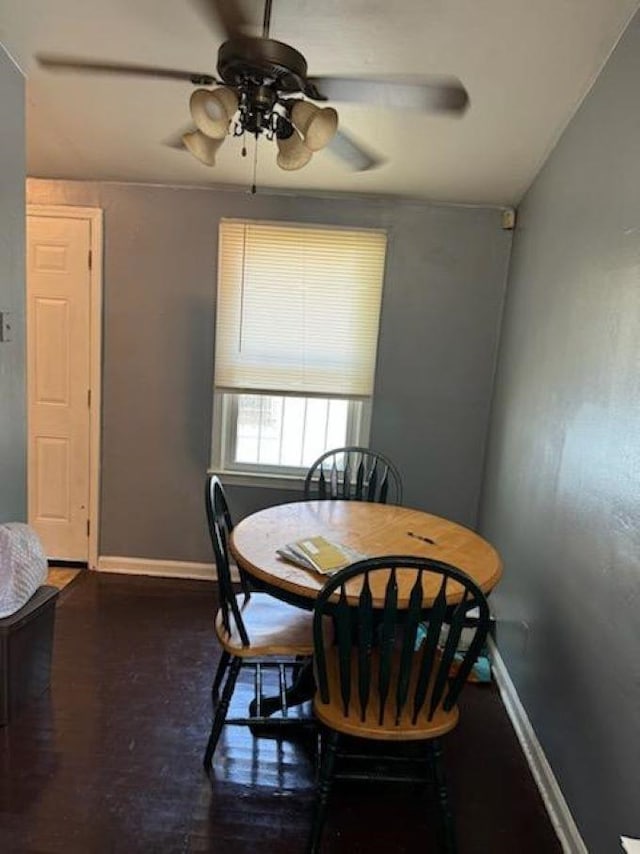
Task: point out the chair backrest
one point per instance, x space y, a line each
354 473
398 654
220 527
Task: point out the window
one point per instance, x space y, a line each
297 321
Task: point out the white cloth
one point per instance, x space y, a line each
23 566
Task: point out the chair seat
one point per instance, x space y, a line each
273 627
332 713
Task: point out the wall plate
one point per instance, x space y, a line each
6 322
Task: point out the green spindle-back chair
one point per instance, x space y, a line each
353 473
379 675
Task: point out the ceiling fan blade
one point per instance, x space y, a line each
430 95
226 14
53 62
352 153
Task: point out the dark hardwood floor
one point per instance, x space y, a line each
110 759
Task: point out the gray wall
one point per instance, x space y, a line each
562 494
13 474
444 288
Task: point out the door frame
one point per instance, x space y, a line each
95 218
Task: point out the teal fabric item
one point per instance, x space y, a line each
481 671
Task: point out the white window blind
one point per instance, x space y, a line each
298 308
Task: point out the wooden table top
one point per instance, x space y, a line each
373 529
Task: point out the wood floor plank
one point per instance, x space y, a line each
109 760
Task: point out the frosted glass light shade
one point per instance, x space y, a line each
212 110
202 147
292 153
317 126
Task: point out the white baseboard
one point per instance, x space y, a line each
161 568
559 813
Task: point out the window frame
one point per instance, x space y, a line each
224 403
260 474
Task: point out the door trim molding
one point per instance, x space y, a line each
95 219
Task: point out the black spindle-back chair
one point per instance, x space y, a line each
254 629
353 473
393 673
220 527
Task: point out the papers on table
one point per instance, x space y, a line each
319 554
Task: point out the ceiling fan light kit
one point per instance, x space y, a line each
264 90
299 127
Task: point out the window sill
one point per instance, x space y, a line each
293 483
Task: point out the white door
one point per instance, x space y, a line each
58 383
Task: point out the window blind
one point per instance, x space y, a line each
298 308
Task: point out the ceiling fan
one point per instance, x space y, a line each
263 89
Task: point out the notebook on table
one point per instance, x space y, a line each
319 554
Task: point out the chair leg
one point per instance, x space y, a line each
448 823
324 786
318 758
221 712
220 672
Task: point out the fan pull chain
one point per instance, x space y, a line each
255 166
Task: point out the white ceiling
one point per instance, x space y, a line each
527 64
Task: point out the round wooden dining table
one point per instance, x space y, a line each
372 529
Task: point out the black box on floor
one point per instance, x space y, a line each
26 643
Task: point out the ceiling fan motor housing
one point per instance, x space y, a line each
264 62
